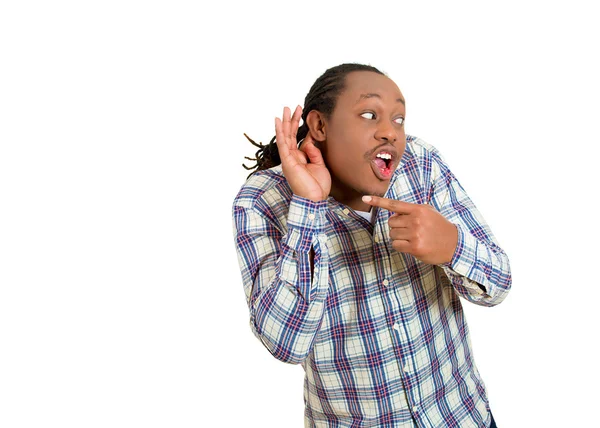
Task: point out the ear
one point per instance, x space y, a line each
316 126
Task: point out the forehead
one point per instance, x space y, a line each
358 83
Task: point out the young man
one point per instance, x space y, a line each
354 252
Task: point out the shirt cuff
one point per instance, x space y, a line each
305 224
305 219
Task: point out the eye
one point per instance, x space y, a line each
399 120
368 112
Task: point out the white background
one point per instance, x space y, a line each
121 131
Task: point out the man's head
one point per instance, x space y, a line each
357 121
355 115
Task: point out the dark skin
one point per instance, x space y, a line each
368 117
418 229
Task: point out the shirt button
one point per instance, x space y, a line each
311 216
385 282
414 408
346 211
397 326
377 238
406 369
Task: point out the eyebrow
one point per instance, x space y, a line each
372 95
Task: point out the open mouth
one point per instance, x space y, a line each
382 165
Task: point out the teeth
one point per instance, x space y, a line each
384 155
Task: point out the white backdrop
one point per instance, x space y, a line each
121 131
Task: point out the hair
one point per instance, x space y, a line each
322 97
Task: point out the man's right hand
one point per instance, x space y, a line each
303 168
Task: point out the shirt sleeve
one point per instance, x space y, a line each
286 302
479 270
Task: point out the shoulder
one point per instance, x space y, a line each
420 149
423 155
265 190
422 164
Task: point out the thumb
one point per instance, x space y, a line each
314 154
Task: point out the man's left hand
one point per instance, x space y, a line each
419 230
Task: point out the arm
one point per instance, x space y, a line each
479 270
286 298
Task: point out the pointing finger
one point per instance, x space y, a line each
393 205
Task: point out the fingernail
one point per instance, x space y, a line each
366 198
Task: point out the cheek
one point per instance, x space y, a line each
345 154
347 163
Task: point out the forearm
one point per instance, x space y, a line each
479 271
286 321
289 285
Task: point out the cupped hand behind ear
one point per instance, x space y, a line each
303 168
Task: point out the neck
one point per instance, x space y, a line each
349 197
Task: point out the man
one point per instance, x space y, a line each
354 252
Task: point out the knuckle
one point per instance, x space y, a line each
418 249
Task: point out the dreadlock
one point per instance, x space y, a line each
322 97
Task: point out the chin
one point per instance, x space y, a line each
375 191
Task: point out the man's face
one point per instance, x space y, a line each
368 120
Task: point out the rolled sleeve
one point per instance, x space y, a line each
479 269
285 300
305 224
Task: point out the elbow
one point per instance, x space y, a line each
490 294
498 294
503 291
503 285
498 286
286 354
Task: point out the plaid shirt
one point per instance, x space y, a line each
381 336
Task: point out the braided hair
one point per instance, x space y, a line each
322 97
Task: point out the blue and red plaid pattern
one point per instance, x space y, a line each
381 336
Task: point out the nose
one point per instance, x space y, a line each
386 132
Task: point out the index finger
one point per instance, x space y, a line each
393 205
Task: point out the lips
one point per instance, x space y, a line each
384 165
381 173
